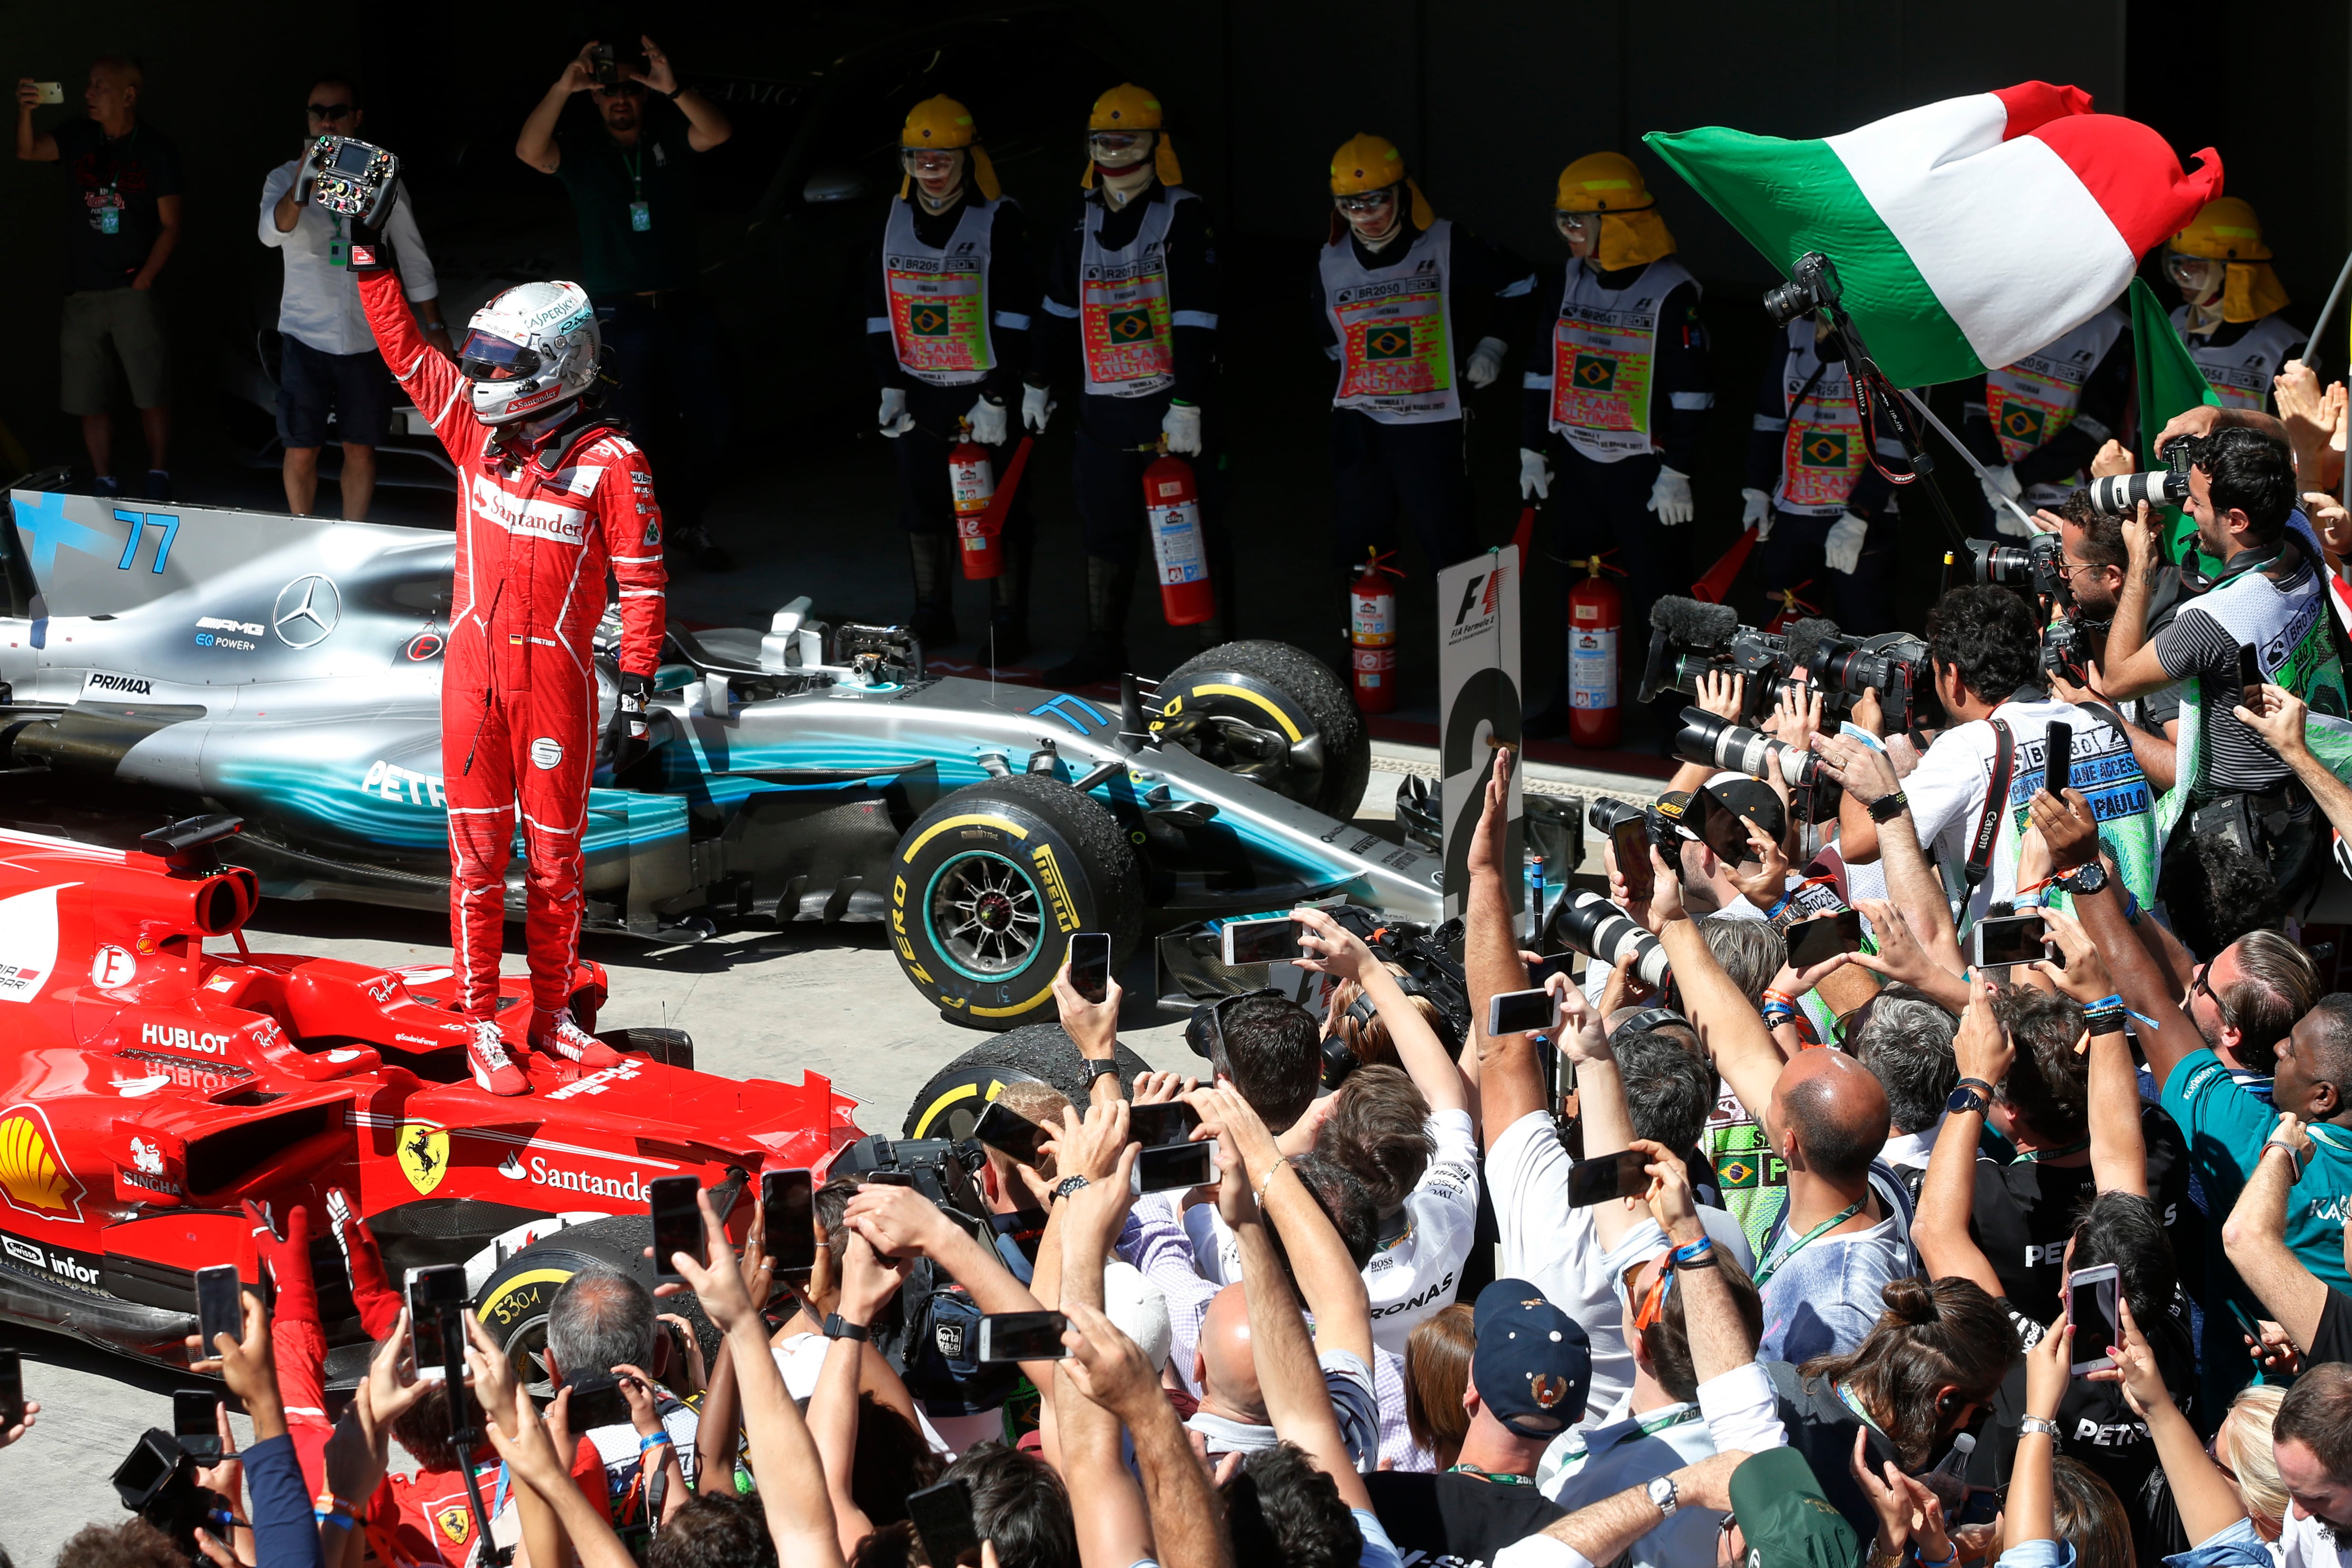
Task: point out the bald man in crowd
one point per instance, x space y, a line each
1845 1230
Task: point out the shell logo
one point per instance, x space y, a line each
31 1179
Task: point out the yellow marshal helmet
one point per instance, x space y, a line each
2225 229
1127 107
942 122
1633 232
1366 162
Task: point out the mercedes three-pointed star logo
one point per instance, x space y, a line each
306 611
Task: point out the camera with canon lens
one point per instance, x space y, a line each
1813 287
1718 743
1892 664
1589 924
2120 495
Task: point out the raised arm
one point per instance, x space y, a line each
1912 886
2119 1144
1115 1528
1939 1231
706 122
868 1283
32 147
2254 1237
1327 1275
1732 1031
1510 1078
900 1223
2208 1501
1343 955
1106 1371
2280 725
1719 1340
536 144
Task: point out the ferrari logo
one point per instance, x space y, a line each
2023 425
424 1154
1128 326
1823 450
928 321
1389 342
1594 374
455 1523
30 1175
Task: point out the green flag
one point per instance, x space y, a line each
2170 384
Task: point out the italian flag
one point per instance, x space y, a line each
1967 233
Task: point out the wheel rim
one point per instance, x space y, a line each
526 1354
986 914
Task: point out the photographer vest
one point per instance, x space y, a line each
2297 645
1124 318
1604 345
1395 329
2240 370
2041 394
1822 452
939 298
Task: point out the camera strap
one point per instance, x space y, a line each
2004 765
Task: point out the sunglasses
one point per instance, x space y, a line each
1365 201
1653 1300
619 89
330 111
2202 983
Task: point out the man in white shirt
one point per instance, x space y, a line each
1986 653
2316 1420
331 360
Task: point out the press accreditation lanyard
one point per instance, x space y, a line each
1772 1261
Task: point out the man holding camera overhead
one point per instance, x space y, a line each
630 192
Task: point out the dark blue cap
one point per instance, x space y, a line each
1533 1364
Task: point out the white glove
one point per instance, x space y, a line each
989 422
1843 548
895 419
2000 486
1670 498
1535 475
1181 425
1036 407
1486 363
1756 512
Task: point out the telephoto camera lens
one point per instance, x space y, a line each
1604 812
1787 302
1718 742
2119 495
1591 925
2010 565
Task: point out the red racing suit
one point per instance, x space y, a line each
517 684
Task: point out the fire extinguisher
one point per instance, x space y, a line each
972 480
1172 505
1371 633
1792 608
1595 611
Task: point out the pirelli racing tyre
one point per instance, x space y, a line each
988 883
1267 710
948 1105
514 1301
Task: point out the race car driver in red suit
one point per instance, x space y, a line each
549 496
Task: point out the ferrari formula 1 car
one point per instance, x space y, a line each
148 1088
158 662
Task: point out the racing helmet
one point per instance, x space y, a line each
530 348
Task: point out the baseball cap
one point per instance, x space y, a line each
1533 1363
1783 1517
1675 805
1750 797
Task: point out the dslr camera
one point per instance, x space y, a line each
1813 287
1892 664
1661 823
2038 565
606 63
2119 495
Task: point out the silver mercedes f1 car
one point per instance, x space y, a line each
287 670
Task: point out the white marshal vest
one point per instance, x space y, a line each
2041 394
1124 320
1822 451
2240 372
939 298
1604 346
1395 329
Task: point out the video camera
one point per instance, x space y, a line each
353 178
940 1169
157 1481
1690 638
1892 664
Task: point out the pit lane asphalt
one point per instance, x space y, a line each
758 1003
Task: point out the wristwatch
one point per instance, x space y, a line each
1966 1097
1067 1185
1661 1495
1887 807
2033 1423
1097 1067
2091 876
837 1327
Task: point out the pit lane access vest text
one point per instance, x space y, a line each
1603 349
1124 320
2240 372
939 298
2041 394
1821 453
1395 329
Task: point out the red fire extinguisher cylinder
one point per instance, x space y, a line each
1595 612
972 480
1171 504
1371 636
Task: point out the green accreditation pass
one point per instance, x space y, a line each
110 216
641 216
339 249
